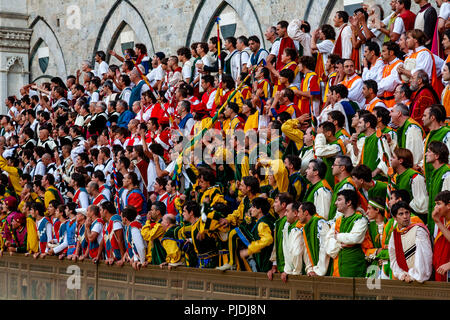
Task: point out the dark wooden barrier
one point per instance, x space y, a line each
46 279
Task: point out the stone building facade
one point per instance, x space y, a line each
40 39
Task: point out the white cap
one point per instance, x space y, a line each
82 211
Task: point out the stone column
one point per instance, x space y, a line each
14 46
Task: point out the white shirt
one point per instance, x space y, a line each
322 265
102 69
234 64
83 198
323 117
95 97
126 94
138 243
444 11
355 91
155 75
295 33
98 228
419 202
151 173
424 61
325 47
390 82
187 71
355 236
346 41
188 127
414 142
378 104
40 169
322 201
244 58
262 56
399 26
375 72
421 271
292 251
275 47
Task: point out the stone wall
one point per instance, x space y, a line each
161 25
14 48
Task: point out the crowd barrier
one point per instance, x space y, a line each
25 278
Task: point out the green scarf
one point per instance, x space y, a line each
310 234
403 181
435 135
278 242
378 190
329 162
336 190
436 182
352 262
401 132
369 154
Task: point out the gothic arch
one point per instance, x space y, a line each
316 6
42 32
126 13
13 60
208 10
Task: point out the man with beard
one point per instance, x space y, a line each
423 95
410 134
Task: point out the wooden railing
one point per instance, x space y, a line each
47 279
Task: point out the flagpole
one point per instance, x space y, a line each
155 92
210 124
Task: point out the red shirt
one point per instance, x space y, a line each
313 88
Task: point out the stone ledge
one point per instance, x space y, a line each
12 15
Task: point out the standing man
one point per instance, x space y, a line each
184 56
410 251
390 76
283 42
410 134
434 120
291 238
244 53
341 169
404 21
135 197
346 236
441 254
408 179
343 45
426 20
113 241
280 204
353 83
423 95
313 243
438 179
139 87
258 53
319 191
232 61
